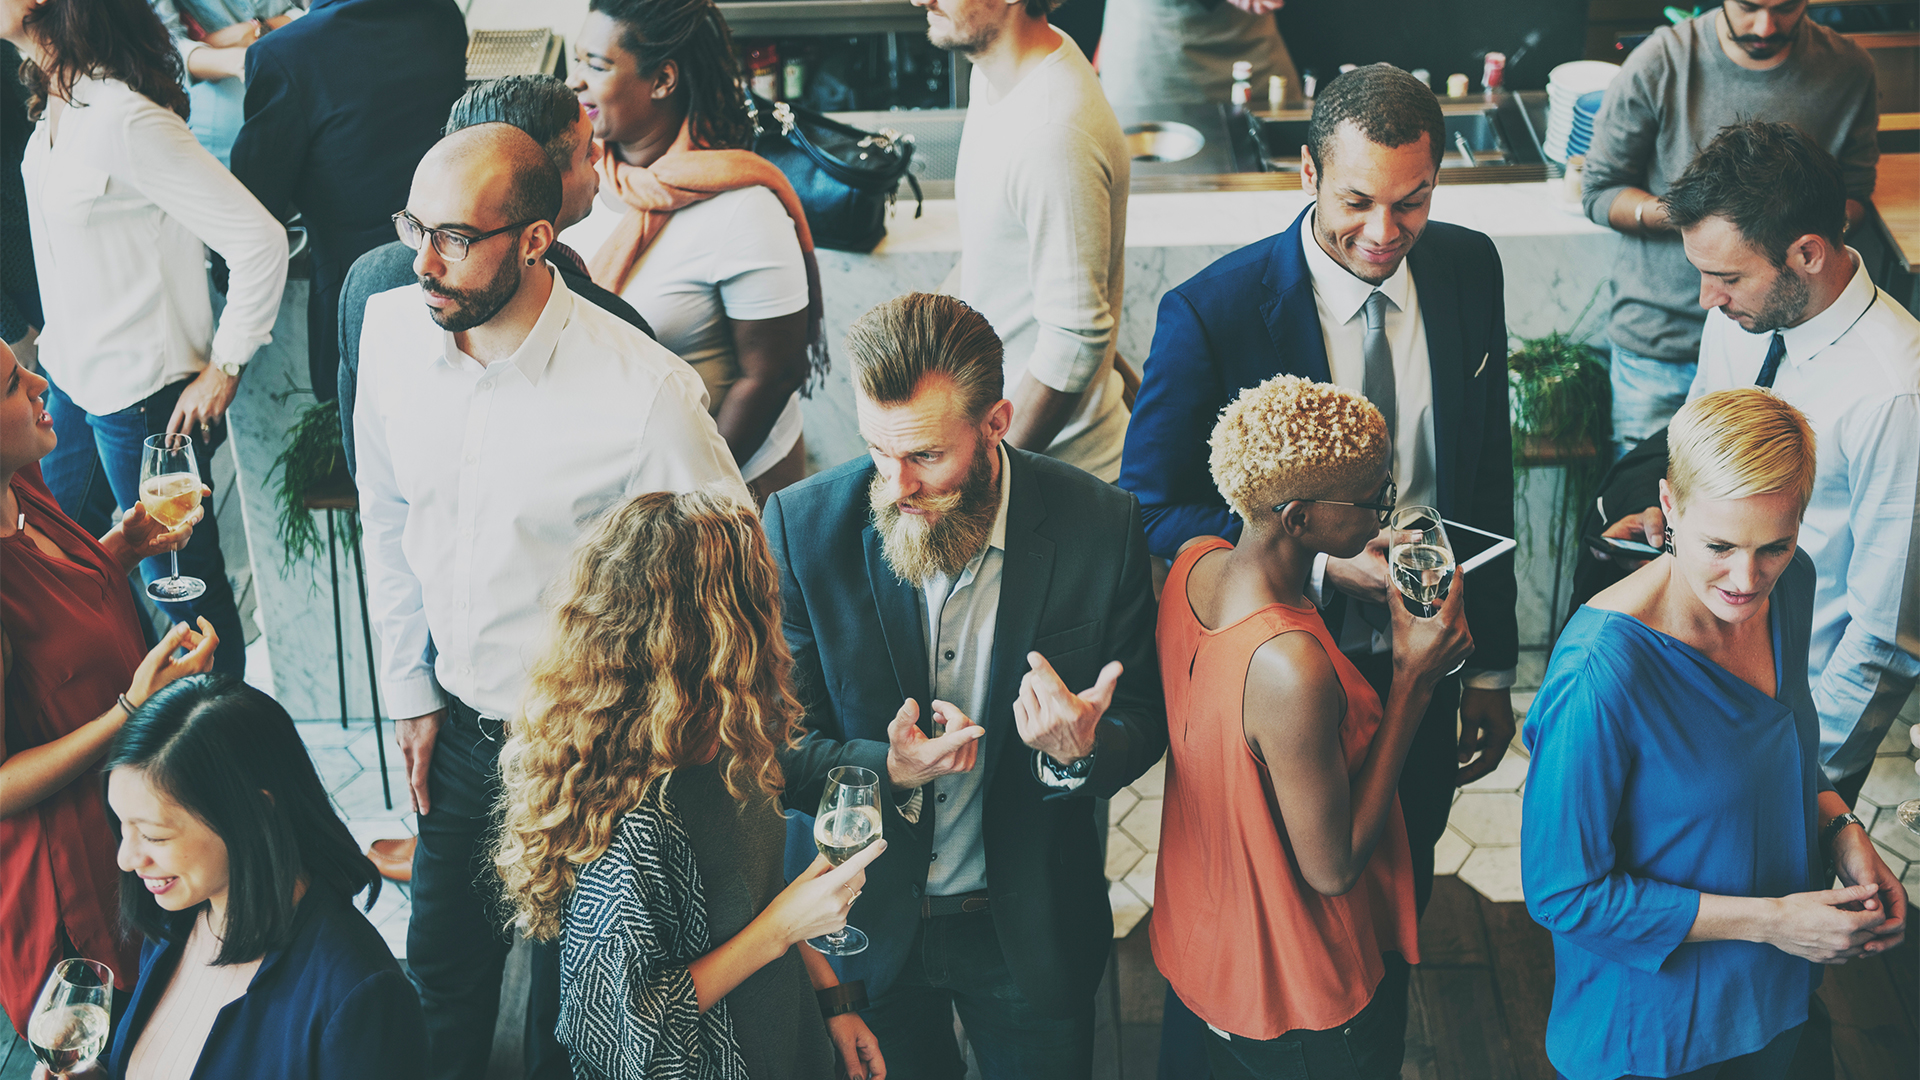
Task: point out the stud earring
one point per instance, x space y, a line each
529 262
1669 544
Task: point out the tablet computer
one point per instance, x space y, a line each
1474 548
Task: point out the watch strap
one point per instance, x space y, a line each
1833 826
844 998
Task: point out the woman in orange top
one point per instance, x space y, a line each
1285 884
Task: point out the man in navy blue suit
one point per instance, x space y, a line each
342 103
1364 291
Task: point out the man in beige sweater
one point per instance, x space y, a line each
1042 193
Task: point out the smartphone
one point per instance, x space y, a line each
1623 549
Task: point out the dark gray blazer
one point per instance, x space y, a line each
1075 587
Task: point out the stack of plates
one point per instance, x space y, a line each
1569 88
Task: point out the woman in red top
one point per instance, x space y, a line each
70 648
1284 913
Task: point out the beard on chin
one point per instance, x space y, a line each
915 549
1786 302
472 307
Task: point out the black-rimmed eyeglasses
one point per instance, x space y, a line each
1383 503
452 246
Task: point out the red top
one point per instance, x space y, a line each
1248 945
76 641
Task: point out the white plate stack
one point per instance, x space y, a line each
1565 85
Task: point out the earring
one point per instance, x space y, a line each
1669 544
529 262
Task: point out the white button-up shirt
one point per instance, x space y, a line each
477 482
1854 371
119 206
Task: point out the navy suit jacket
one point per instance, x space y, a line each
331 1004
1251 316
1076 587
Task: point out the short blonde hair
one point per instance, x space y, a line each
1732 444
1293 438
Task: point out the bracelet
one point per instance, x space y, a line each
125 705
1639 223
1832 829
840 1000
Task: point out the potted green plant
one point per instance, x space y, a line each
313 475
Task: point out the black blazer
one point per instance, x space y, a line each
1251 316
1076 587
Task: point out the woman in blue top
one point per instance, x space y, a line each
1677 825
241 876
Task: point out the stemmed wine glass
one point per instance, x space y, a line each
849 820
1908 814
69 1025
170 490
1422 561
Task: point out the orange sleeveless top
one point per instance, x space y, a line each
1248 945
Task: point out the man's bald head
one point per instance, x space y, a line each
500 168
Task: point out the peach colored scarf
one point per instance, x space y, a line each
681 177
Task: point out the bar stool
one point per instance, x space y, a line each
338 496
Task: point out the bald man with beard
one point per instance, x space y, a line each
497 417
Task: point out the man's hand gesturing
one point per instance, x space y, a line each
913 758
1056 721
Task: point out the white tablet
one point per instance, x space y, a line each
1473 548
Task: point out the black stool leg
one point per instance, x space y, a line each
339 641
373 679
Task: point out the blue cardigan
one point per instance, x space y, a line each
331 1005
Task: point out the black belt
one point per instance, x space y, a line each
963 904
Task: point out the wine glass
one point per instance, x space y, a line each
849 820
170 490
69 1025
1908 814
1421 558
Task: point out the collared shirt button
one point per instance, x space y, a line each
941 798
933 857
949 654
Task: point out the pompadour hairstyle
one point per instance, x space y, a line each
1293 438
1732 444
1390 107
1772 182
902 341
540 105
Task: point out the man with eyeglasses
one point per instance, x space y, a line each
497 416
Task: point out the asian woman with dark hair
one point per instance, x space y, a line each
241 876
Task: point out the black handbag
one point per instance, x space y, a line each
845 177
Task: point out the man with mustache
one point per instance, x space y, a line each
974 623
1745 59
497 416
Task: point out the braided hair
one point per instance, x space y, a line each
693 35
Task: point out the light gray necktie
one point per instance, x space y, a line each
1377 382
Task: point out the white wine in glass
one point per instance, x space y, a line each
69 1025
1908 814
1423 564
848 822
170 490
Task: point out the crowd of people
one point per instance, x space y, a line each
631 649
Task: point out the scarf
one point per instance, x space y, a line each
681 177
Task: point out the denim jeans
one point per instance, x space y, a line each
217 109
1371 1046
95 468
955 965
1646 393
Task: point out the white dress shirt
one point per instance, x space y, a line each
1854 371
119 207
477 482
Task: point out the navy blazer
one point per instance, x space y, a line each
331 1005
1251 316
1076 587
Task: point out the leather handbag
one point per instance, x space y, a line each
845 177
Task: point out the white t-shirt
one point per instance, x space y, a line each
734 256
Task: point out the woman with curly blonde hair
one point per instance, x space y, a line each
642 823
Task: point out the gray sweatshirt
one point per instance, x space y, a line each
1673 94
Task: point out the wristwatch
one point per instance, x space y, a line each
844 998
1832 829
1079 770
228 368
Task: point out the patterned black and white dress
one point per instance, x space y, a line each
685 872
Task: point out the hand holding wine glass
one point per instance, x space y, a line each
1431 648
170 491
848 822
70 1022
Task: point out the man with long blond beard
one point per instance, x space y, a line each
974 623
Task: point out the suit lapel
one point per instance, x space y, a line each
1439 300
1292 318
900 622
1025 571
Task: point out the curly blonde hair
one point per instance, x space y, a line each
665 649
1293 438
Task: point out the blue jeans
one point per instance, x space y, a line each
96 467
1371 1046
1646 393
955 965
216 114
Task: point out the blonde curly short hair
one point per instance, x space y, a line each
1293 438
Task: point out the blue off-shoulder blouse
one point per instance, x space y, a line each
1656 776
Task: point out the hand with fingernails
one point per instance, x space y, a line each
1056 721
914 757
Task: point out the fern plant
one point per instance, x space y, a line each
313 461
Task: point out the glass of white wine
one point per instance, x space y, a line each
69 1025
170 490
1421 558
1908 814
848 821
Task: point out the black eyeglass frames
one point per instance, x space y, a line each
452 246
1389 495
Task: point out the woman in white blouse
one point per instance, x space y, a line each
121 199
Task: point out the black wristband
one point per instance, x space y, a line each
845 998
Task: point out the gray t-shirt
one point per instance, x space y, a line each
1672 96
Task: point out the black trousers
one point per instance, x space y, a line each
1426 782
457 942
